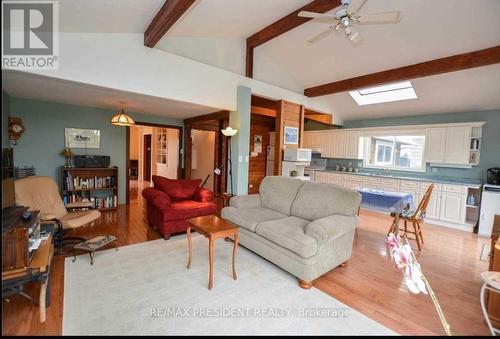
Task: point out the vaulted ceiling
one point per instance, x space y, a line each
215 32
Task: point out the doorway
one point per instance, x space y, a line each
152 149
146 161
203 157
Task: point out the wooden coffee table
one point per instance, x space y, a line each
212 227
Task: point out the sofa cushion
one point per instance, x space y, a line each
188 209
176 189
277 193
331 227
249 218
157 198
317 200
289 233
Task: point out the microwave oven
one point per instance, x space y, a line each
297 154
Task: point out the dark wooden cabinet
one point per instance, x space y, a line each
15 238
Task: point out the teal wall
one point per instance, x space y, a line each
5 119
240 143
490 148
43 140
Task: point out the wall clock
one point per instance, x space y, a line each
16 129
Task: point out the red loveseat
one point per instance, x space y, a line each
171 202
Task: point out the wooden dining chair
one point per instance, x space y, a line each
415 217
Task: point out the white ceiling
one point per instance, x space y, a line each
107 16
24 85
429 29
232 18
213 31
470 90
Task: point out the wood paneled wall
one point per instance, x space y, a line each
260 125
287 114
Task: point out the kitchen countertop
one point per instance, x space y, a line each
470 182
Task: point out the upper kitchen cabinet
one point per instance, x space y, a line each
453 145
435 140
333 143
346 144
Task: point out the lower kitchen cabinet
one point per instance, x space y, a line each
453 207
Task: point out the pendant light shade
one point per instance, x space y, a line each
122 119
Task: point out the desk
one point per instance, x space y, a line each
13 281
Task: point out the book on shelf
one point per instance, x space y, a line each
73 200
79 183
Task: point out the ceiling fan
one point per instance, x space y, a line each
345 17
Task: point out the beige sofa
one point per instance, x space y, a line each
305 228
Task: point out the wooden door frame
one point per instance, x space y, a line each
144 153
127 152
220 151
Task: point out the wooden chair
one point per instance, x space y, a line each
415 218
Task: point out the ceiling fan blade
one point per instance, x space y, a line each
379 18
355 6
321 36
314 15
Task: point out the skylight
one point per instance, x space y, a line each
385 93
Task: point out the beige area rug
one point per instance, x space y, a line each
146 289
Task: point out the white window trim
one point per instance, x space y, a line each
380 132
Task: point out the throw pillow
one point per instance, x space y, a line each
177 189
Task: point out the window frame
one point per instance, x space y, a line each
393 133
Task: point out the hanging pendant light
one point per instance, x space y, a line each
122 119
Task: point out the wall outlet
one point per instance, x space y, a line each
246 158
434 169
240 158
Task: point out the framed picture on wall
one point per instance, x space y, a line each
291 135
82 138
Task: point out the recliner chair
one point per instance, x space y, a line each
41 193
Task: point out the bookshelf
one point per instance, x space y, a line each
99 186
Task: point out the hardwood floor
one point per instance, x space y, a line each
370 283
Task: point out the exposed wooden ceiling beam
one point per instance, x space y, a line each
284 25
318 117
264 111
220 115
453 63
168 15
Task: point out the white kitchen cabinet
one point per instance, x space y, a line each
352 144
448 145
433 209
326 141
435 140
452 207
321 176
370 182
335 178
389 185
339 140
457 149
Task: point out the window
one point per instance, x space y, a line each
162 146
384 151
400 152
386 93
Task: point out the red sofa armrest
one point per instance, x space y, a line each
203 195
156 198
